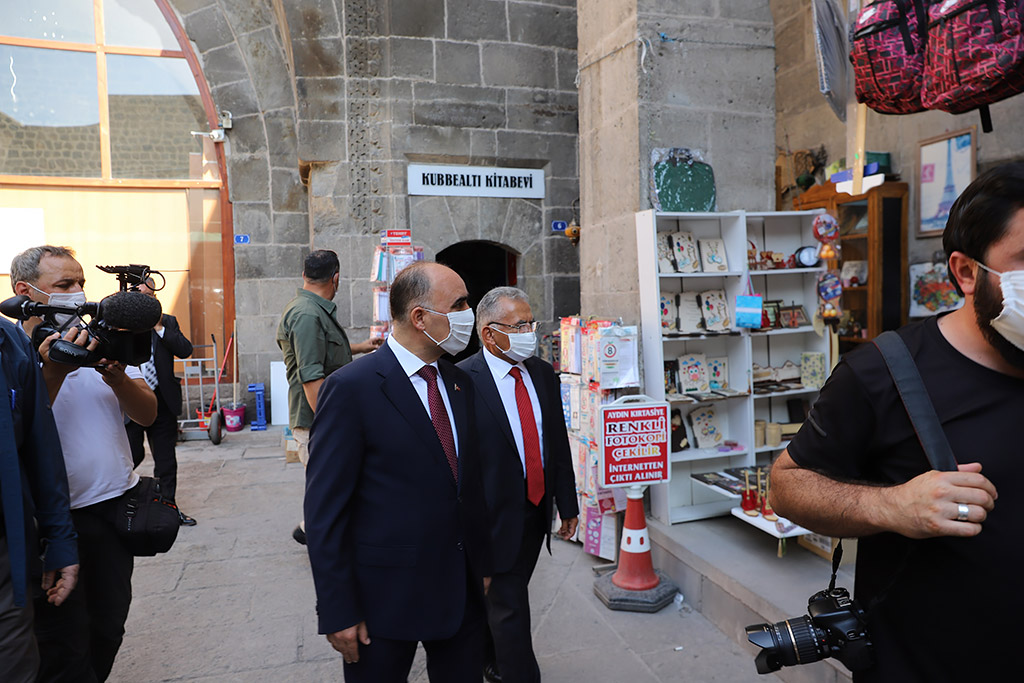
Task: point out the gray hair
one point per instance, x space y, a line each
25 266
488 306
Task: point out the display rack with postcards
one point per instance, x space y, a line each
718 377
395 252
600 363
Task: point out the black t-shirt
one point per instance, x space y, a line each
953 612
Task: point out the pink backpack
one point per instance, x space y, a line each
975 55
888 55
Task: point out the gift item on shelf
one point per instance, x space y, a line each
671 377
570 332
854 273
669 311
707 431
760 427
712 255
718 372
684 249
381 307
677 436
666 262
773 434
690 320
721 480
693 373
812 369
715 310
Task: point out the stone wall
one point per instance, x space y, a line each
666 74
805 119
72 151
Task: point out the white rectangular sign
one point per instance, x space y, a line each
475 181
20 229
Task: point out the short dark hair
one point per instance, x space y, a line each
981 215
320 265
409 289
25 266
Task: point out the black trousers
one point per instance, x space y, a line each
19 657
163 434
458 659
79 640
509 642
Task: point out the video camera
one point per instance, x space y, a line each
120 323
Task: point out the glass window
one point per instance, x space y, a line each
64 20
136 23
154 106
49 113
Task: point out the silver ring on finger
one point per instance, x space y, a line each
962 510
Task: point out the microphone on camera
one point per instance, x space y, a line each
22 308
132 311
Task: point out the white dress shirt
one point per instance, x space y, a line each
411 364
506 384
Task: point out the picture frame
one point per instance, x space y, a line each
772 310
793 316
946 165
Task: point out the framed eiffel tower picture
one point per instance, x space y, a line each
947 166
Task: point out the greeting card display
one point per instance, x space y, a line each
666 264
669 312
712 256
718 372
706 430
685 252
693 372
690 319
812 369
715 310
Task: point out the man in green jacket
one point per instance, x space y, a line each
314 345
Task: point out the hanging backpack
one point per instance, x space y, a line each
975 55
888 55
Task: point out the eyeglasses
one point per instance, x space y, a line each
521 328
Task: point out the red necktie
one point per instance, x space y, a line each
531 442
439 416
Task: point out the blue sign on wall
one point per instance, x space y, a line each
241 239
558 226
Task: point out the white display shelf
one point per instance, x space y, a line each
770 527
791 392
689 400
769 449
689 513
723 273
716 489
788 271
802 329
695 454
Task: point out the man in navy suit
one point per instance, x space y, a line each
396 523
168 342
527 469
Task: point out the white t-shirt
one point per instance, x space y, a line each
90 423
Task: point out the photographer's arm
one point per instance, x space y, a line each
137 400
54 372
923 507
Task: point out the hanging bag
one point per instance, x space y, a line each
975 55
888 55
146 522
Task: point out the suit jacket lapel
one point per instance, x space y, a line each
397 387
487 390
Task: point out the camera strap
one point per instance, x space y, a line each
923 419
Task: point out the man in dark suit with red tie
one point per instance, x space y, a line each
396 524
527 470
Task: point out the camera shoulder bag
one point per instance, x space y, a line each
146 522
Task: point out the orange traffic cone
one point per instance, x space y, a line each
635 572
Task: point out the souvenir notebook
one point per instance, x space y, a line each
812 369
706 430
718 372
712 256
669 312
666 245
715 310
685 252
690 319
693 372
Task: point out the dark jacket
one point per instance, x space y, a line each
390 536
504 484
165 348
30 454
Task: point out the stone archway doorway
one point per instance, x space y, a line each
483 266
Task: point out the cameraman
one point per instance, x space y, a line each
939 559
79 639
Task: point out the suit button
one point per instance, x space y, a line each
459 545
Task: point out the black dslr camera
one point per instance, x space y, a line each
120 323
836 627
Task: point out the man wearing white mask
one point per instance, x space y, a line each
940 552
396 524
527 469
79 639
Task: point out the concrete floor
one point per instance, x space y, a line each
233 600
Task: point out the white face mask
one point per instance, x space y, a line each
521 345
66 300
1010 323
460 329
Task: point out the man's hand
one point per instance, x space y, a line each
568 528
57 592
487 584
347 642
927 505
113 372
54 372
367 346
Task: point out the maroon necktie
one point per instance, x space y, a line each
531 441
439 416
